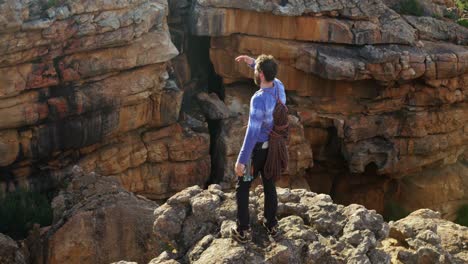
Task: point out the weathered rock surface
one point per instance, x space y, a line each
384 63
74 26
360 22
437 8
430 28
193 227
10 252
88 82
212 106
156 163
443 189
195 224
423 237
377 100
380 96
97 221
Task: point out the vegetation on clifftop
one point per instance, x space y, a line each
462 4
462 215
463 22
394 211
21 209
54 3
410 7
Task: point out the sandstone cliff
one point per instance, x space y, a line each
380 97
376 97
88 83
146 94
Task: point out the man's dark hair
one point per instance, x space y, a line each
267 65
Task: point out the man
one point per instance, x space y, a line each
255 146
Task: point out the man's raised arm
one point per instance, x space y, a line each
248 60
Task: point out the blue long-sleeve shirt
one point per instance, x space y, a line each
260 123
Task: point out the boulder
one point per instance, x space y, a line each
424 237
213 107
97 221
10 253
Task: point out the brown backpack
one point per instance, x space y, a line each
277 158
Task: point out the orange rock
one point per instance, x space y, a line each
438 188
318 139
181 69
9 147
64 34
305 28
92 205
168 131
14 80
435 121
157 164
166 107
369 191
22 115
161 180
153 47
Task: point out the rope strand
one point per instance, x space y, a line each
278 157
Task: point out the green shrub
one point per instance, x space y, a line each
462 4
451 15
410 7
52 3
46 4
463 22
462 215
20 209
393 211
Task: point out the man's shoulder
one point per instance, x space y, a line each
281 89
278 81
258 98
258 95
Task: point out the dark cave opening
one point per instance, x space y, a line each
212 83
205 79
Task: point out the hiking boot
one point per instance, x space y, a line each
272 231
241 236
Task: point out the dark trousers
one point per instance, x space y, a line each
259 156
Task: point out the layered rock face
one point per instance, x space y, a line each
378 112
380 96
95 221
444 188
195 225
87 82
